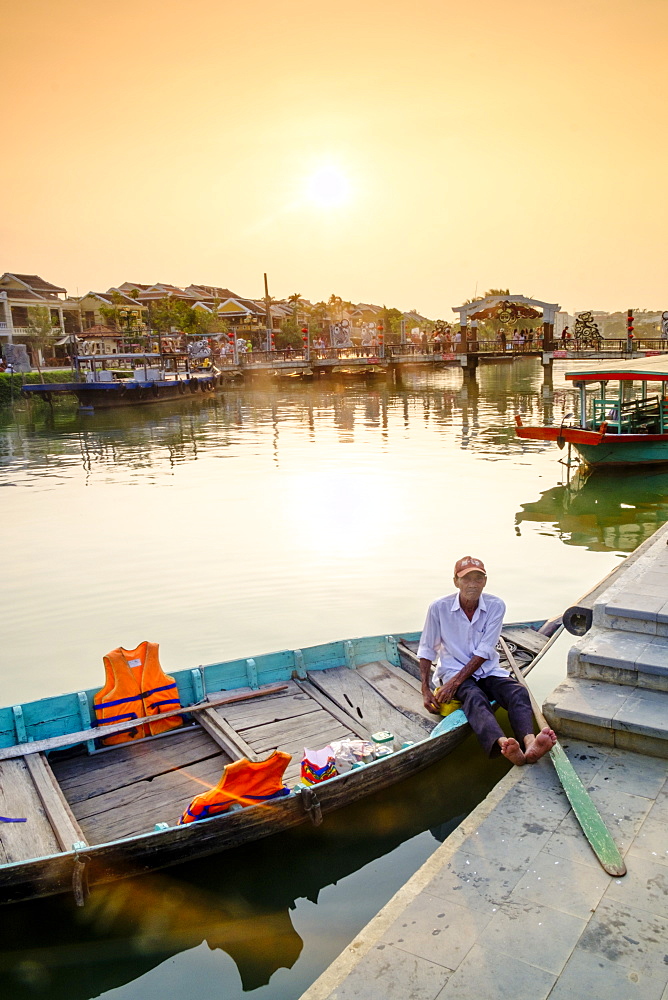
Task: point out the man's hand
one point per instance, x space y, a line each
448 691
430 702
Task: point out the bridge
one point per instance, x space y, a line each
390 358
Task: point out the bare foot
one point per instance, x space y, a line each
510 749
539 745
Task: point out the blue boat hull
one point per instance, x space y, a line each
106 395
65 721
626 449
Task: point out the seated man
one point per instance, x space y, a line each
464 628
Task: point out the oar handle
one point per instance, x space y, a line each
540 718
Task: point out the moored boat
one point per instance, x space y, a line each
77 813
107 383
623 426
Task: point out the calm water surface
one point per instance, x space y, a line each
279 515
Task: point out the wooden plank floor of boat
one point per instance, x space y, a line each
128 789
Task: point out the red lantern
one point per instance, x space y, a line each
629 324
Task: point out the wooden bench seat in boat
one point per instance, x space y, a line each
28 790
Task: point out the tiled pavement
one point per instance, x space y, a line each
515 904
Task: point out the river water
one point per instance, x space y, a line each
278 515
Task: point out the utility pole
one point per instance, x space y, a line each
267 313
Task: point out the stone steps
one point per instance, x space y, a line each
612 714
633 659
616 692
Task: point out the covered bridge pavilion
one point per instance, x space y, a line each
505 308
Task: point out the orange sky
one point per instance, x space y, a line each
517 144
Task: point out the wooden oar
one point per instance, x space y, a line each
100 732
585 811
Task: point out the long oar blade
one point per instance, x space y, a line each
584 809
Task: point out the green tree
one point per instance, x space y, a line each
40 327
290 334
318 317
391 321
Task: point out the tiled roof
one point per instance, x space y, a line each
212 292
38 284
107 297
99 331
162 291
24 293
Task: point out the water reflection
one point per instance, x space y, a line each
605 510
478 414
240 903
269 517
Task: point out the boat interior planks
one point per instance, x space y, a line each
358 698
292 703
162 776
288 721
83 776
62 819
400 692
130 789
525 636
347 720
225 736
19 799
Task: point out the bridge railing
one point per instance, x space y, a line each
614 344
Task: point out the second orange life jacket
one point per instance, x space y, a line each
243 782
136 686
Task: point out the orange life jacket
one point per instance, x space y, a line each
135 686
243 782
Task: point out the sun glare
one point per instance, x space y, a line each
328 187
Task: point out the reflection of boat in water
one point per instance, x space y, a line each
154 379
242 904
605 511
98 814
619 427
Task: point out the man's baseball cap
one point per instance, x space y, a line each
467 564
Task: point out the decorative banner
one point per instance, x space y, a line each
339 334
507 313
586 330
368 334
199 349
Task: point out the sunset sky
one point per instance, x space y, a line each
396 152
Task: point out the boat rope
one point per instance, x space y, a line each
312 806
80 879
9 819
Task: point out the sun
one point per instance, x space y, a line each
328 187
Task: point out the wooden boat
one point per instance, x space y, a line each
155 378
623 427
89 814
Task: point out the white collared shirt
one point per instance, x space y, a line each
449 634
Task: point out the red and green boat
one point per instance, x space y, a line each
623 421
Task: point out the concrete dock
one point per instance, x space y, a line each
515 903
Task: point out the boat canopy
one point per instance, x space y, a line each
652 369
